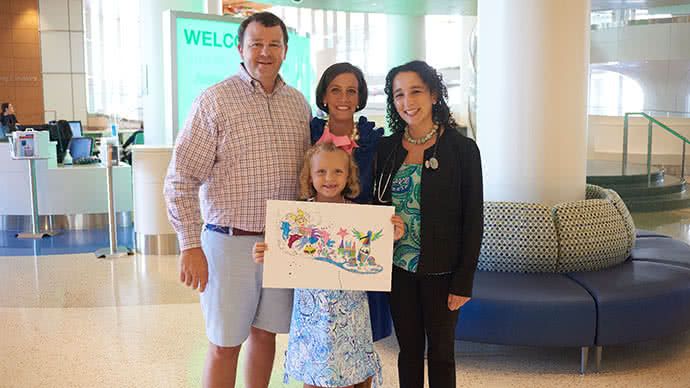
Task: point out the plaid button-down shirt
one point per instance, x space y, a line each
239 147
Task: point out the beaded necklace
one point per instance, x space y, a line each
422 139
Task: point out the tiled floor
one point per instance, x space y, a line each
675 223
71 320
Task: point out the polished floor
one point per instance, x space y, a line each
66 241
71 320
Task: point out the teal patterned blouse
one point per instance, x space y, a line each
407 190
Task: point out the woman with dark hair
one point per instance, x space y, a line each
341 92
8 119
432 174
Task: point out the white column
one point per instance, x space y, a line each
152 58
532 99
406 39
467 77
62 58
213 7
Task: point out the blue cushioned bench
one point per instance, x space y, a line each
662 250
645 297
638 301
648 233
541 309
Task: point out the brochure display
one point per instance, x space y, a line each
112 251
24 146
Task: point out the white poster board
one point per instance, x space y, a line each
328 246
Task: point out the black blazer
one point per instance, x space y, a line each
452 204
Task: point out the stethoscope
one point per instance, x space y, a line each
380 187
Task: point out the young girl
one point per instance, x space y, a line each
330 341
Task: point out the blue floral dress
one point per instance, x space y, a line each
330 342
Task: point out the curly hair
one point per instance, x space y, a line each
306 185
440 112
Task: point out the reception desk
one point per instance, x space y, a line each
69 197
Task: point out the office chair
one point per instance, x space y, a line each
126 151
63 136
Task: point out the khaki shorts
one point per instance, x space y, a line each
234 299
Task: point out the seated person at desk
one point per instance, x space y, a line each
8 120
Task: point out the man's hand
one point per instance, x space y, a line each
194 268
258 252
456 301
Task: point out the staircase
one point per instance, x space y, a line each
643 188
665 192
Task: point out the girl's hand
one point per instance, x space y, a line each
258 252
398 227
456 301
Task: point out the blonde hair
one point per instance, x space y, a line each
306 186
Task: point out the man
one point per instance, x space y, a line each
241 145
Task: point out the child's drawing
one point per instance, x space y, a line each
350 250
335 246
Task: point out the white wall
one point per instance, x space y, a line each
61 29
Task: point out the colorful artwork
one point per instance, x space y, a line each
332 246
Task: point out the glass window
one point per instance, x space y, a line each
440 52
112 50
613 94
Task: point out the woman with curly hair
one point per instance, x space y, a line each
432 174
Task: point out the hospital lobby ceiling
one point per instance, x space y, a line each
452 7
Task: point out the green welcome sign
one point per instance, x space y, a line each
202 50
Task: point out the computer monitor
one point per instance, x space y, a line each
76 128
40 127
80 147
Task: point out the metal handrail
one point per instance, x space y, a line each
651 121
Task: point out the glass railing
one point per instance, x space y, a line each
667 113
605 23
651 122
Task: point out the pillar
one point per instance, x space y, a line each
152 58
533 73
213 7
467 74
406 39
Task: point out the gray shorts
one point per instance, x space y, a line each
233 300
